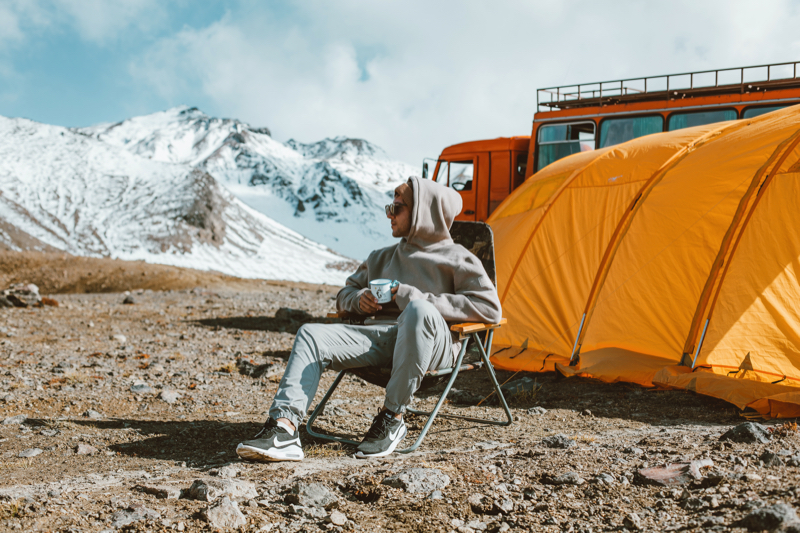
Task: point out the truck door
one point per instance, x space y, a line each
460 174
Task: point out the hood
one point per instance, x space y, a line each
435 207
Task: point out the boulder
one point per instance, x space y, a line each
768 518
224 514
311 495
748 433
418 480
558 441
210 489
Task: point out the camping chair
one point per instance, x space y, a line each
477 238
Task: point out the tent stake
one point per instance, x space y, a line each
575 346
700 344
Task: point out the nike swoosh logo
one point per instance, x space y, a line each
393 436
284 442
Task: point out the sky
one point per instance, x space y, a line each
411 76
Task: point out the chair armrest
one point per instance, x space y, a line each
475 327
341 315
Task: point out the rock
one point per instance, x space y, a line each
228 471
632 521
165 492
170 396
604 478
210 489
23 295
5 302
129 300
248 368
119 338
141 388
311 495
15 420
569 478
750 476
132 514
633 450
94 415
537 410
30 452
308 512
287 314
770 459
768 518
748 433
85 449
436 495
224 514
673 474
558 441
337 518
693 504
480 504
504 505
586 412
463 397
49 432
520 386
418 480
63 366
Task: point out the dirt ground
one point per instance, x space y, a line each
123 398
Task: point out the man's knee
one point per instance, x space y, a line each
304 340
419 312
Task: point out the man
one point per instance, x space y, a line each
439 282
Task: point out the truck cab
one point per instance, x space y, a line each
483 172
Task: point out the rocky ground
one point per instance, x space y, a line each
126 416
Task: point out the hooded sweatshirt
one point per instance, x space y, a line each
428 264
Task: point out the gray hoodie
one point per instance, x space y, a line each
428 264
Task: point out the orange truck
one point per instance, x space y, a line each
578 118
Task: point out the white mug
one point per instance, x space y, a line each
382 289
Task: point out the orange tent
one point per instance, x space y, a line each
670 260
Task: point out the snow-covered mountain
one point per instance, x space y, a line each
68 190
332 191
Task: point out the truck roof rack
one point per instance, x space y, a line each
671 86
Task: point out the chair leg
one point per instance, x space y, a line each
432 414
320 408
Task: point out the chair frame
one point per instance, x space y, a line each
466 332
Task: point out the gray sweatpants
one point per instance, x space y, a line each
420 341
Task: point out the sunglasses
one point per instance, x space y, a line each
393 208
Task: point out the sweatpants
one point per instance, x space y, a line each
420 341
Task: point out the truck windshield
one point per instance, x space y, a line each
456 174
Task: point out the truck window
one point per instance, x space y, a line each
456 174
521 167
560 140
752 112
678 121
618 130
461 173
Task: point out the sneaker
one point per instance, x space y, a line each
275 442
383 436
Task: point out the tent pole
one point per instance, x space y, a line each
575 346
700 344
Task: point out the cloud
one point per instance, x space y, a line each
411 76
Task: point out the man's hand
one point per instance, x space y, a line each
368 303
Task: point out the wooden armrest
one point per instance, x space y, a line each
475 327
337 315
